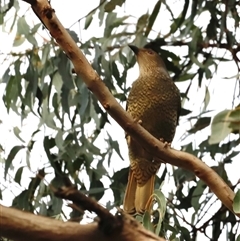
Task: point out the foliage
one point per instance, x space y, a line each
72 127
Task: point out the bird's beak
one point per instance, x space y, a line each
134 49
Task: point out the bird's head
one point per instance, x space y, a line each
148 60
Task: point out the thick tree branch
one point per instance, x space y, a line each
22 226
83 68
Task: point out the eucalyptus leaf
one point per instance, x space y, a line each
236 202
10 158
220 127
147 221
17 131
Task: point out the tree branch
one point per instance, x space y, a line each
108 223
21 226
83 69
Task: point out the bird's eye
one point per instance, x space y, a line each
150 52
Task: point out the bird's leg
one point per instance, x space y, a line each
166 145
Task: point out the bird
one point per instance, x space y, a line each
154 102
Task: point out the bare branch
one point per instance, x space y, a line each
108 222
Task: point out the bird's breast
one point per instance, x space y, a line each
155 103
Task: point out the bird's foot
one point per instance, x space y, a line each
137 121
128 139
127 136
166 144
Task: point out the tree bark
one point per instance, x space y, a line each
22 226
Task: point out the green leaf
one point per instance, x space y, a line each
147 221
6 76
65 70
47 117
31 77
186 76
17 131
173 230
114 144
119 180
73 35
115 72
13 89
18 175
234 119
153 17
92 148
45 59
43 209
57 204
22 201
185 234
23 27
112 22
19 40
1 18
220 127
201 123
142 22
84 100
197 194
109 24
35 28
206 99
59 139
88 20
238 238
10 158
97 189
195 60
178 22
161 200
110 6
196 38
236 202
30 38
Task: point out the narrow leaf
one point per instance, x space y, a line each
88 21
220 127
17 131
147 221
18 175
10 158
153 17
110 6
236 202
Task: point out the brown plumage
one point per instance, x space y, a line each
154 100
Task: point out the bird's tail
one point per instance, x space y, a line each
137 197
130 194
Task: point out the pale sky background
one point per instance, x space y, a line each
68 14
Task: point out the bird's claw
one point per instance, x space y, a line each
166 144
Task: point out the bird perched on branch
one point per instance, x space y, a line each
154 101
